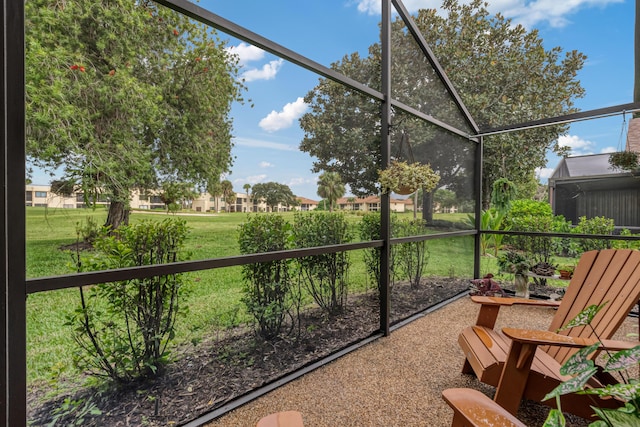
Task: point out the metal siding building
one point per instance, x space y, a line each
588 186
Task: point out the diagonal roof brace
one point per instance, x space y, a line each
568 118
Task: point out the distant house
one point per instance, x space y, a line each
306 204
588 186
369 204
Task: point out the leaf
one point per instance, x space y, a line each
618 418
626 392
555 419
579 362
573 385
623 359
584 317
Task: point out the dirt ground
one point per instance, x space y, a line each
205 376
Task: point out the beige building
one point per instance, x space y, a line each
42 196
372 204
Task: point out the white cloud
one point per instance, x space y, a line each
246 52
578 146
544 173
370 7
296 181
609 150
254 179
259 143
284 119
266 165
267 72
525 12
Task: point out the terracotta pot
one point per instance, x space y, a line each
565 274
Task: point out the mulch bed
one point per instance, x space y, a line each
205 376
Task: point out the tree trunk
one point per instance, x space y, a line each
118 215
427 207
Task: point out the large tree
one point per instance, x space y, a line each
273 193
502 72
124 95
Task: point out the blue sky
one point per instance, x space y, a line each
267 136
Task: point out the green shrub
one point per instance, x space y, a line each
369 229
267 284
626 244
411 258
89 230
325 275
123 328
563 246
596 225
525 207
531 216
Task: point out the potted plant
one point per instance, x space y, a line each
566 271
625 160
519 265
406 178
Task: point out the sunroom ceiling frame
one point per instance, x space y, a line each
598 113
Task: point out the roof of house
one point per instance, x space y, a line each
306 201
579 166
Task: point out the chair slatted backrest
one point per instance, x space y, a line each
611 276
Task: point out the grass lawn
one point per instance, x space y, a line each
213 296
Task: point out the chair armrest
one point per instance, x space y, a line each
512 301
536 337
490 306
470 407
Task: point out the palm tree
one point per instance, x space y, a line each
330 187
216 191
247 187
227 191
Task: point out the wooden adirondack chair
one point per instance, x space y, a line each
525 364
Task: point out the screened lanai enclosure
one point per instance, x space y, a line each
256 309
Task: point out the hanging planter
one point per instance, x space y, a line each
404 178
625 160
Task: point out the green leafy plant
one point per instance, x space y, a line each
410 258
625 160
582 369
595 225
74 412
267 289
503 192
324 275
626 244
406 178
89 230
514 262
491 219
123 328
563 246
369 229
